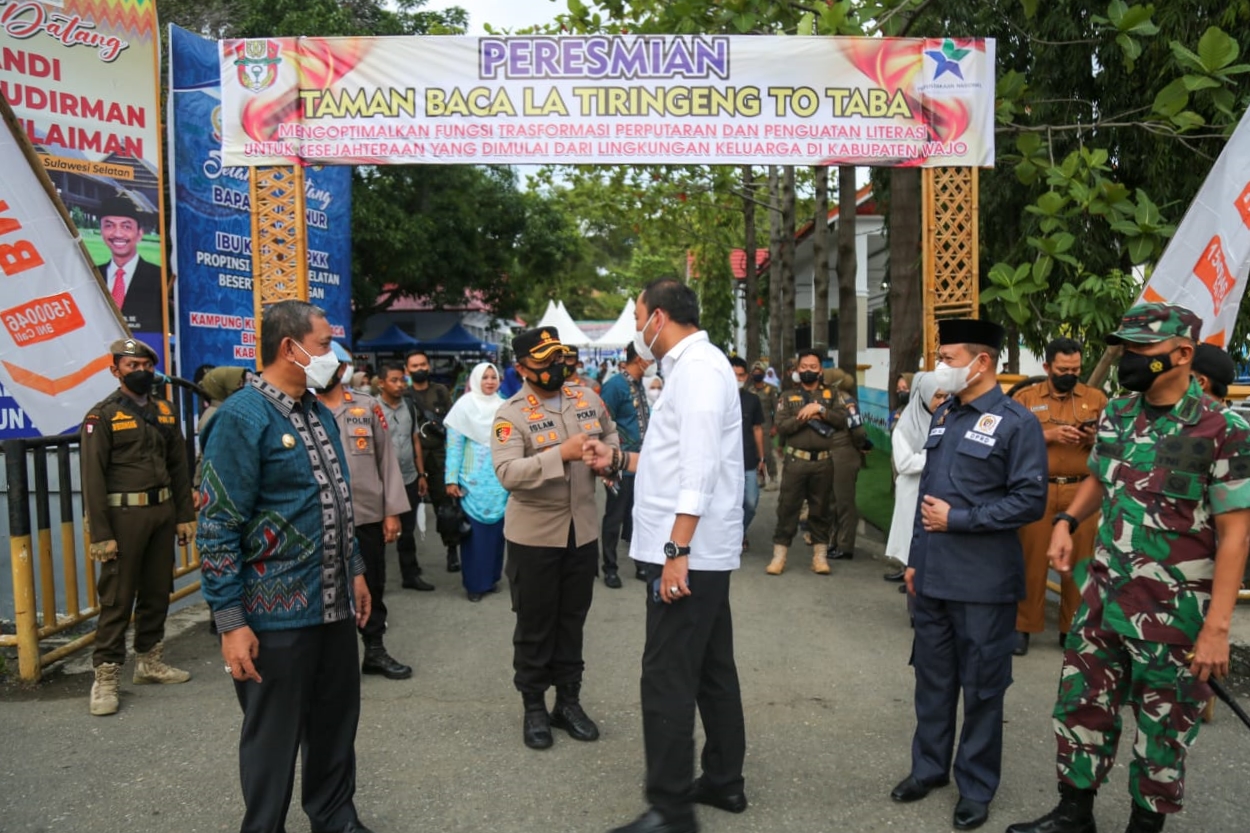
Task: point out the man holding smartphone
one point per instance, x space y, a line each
1068 411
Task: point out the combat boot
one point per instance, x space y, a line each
1075 814
536 728
778 565
104 689
820 559
569 715
1144 821
378 661
149 668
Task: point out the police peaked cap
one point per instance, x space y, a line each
132 347
539 344
970 331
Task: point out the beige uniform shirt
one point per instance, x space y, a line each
546 494
377 487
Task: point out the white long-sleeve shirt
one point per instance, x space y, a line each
691 460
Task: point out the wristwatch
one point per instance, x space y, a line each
673 550
421 474
1073 523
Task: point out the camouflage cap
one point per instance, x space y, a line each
1152 323
132 347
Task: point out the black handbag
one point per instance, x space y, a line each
451 522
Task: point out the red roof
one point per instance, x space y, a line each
407 303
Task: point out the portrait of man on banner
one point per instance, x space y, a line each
134 283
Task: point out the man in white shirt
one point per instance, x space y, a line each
687 538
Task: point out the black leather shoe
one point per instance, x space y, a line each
475 597
1022 644
840 555
453 560
378 661
640 574
701 793
353 827
1063 640
536 728
653 821
612 579
969 814
912 789
569 715
895 576
417 583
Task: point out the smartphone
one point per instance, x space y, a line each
1089 424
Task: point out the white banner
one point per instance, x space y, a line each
677 99
58 322
1205 266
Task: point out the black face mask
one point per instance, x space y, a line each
569 370
550 379
903 398
809 377
139 382
1138 373
334 383
757 377
1064 382
420 376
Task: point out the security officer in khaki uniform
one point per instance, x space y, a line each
552 529
137 494
847 446
378 499
806 420
1069 412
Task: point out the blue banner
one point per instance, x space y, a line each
213 223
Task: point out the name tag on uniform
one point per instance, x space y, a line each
983 439
937 432
1036 408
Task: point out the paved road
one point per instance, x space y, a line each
826 686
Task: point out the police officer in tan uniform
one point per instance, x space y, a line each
1068 411
137 498
805 423
378 499
552 528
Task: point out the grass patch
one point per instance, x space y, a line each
874 494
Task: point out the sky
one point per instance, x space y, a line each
503 14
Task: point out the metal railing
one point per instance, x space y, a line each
28 464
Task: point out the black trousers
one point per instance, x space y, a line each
309 697
409 569
435 460
618 521
373 551
961 646
688 661
552 588
140 578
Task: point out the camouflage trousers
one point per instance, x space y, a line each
1104 670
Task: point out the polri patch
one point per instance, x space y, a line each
503 430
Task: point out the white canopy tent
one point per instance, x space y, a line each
558 317
622 331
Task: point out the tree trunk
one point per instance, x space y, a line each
775 356
1013 349
787 261
750 284
848 273
906 287
820 261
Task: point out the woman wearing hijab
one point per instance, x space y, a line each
770 378
470 476
908 439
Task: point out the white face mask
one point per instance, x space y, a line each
640 340
320 369
954 380
653 394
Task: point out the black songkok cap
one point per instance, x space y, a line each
970 331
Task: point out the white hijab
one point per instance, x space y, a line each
916 417
474 413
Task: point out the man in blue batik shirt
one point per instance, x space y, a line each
284 579
626 400
984 478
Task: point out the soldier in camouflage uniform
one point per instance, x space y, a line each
1171 471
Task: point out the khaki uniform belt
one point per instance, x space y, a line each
152 497
1063 481
800 454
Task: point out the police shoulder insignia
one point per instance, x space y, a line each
377 412
503 430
